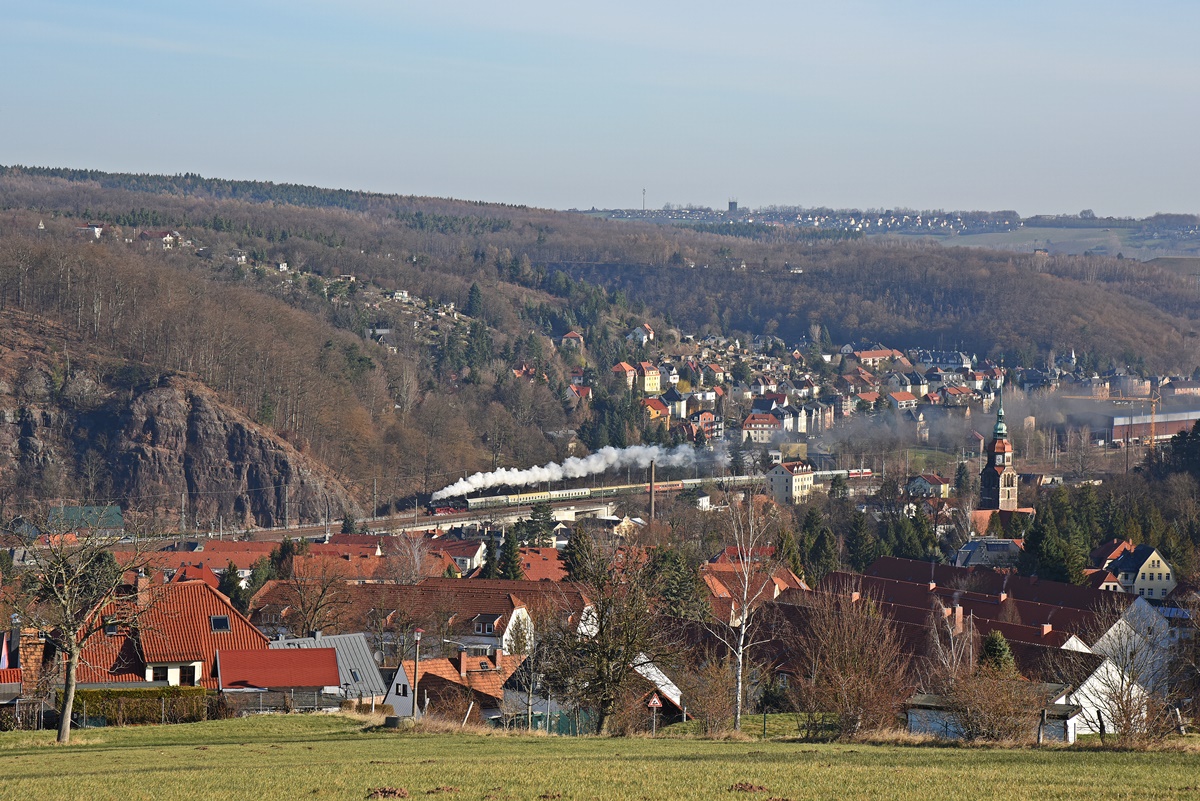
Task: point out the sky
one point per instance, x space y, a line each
1033 105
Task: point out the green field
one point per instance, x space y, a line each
287 757
1109 241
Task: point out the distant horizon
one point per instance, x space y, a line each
1026 105
715 207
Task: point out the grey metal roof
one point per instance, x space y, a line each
356 665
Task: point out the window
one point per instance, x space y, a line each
1160 576
110 627
483 665
220 623
187 676
1141 591
402 690
1168 577
1143 577
159 673
354 675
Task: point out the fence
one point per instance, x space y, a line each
238 704
26 715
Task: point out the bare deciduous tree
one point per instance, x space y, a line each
596 659
315 594
851 668
1135 693
739 628
72 575
404 561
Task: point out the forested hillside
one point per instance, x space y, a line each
483 383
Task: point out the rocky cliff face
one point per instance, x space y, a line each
158 448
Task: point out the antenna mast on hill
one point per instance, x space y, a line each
643 198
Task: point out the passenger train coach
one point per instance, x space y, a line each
586 493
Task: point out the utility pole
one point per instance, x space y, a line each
182 512
285 506
651 490
375 497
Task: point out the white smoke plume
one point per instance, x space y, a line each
607 458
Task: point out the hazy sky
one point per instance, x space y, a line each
1040 106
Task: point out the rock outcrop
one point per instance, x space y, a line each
166 446
180 438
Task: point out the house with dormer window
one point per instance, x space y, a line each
1143 571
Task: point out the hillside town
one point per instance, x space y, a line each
470 623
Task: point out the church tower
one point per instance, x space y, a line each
998 481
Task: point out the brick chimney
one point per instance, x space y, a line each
499 656
958 619
462 663
30 653
1046 629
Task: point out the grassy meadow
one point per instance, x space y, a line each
301 756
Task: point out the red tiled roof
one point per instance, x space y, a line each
542 564
441 675
1049 595
263 668
10 676
174 627
200 572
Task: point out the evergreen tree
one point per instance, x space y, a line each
862 543
575 555
510 559
679 587
823 558
903 539
737 456
810 528
539 528
924 534
995 653
491 561
261 572
788 551
964 482
474 301
231 588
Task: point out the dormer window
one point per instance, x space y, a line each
110 627
219 623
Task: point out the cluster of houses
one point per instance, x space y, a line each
351 622
455 647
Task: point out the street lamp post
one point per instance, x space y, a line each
417 672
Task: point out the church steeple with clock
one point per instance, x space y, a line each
998 480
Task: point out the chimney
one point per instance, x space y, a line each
855 596
142 585
315 634
1003 596
1046 629
462 663
958 619
499 656
30 652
